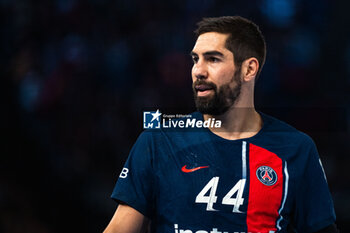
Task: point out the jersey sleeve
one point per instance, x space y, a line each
135 185
314 205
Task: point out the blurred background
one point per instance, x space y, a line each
77 74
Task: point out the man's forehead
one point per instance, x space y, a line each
210 41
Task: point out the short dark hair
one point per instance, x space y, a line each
245 38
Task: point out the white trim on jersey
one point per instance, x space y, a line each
284 196
244 160
324 174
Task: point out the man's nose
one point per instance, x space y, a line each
200 70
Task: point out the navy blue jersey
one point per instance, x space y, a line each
193 181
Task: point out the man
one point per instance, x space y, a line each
253 174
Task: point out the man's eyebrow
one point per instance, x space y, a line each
213 53
209 53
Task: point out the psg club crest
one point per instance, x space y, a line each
266 175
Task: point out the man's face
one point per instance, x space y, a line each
216 80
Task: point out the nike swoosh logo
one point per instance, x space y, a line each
184 169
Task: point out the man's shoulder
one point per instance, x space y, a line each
283 131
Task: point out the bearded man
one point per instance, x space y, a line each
253 174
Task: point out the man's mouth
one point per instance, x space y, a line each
203 89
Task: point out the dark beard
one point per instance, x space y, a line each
223 98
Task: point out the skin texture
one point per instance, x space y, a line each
127 220
214 63
209 97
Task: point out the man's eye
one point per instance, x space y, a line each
195 59
213 59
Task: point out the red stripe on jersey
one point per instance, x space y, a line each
264 200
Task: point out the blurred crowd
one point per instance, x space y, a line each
76 76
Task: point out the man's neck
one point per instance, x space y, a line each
237 123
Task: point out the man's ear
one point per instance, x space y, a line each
250 68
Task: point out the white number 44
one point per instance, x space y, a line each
227 200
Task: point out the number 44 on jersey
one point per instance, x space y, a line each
210 199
